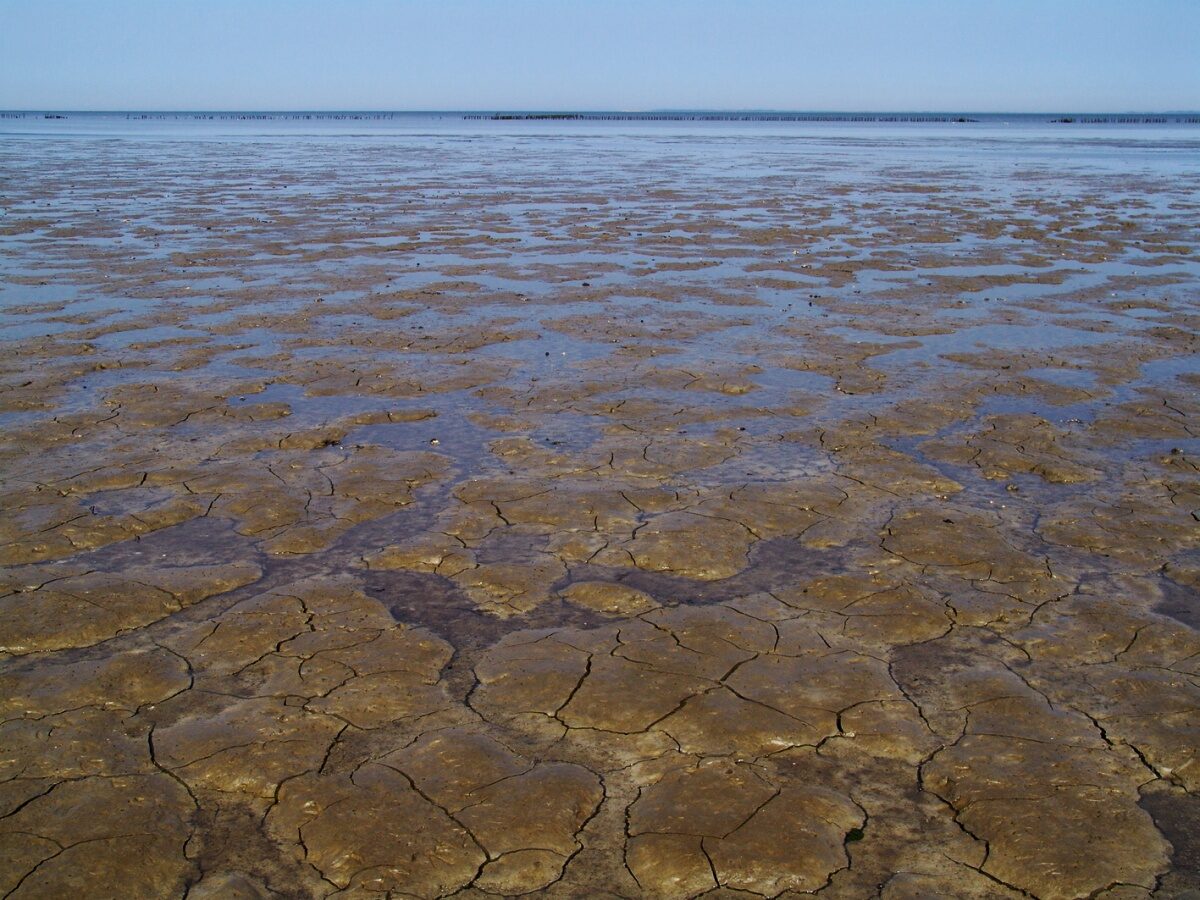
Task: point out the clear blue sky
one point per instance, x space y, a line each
978 55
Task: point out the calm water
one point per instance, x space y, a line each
1178 131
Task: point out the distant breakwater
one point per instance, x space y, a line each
1127 120
819 117
708 117
881 118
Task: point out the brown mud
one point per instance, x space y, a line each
380 528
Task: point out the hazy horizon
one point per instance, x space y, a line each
885 56
699 110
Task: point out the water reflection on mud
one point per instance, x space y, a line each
628 515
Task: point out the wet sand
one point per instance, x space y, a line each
664 516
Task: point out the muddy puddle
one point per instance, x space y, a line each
641 515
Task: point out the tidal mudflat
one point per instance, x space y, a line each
604 511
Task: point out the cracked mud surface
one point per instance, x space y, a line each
598 517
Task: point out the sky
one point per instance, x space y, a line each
879 55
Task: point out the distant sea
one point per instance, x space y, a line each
235 123
990 143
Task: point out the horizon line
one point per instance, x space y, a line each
605 110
